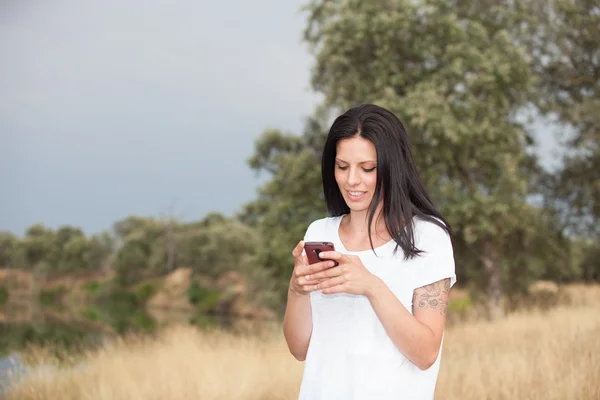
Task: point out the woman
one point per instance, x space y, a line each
372 326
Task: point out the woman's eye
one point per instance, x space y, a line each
369 169
342 168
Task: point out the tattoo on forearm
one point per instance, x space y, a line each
430 296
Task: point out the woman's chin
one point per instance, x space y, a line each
354 207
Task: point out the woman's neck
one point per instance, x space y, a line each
357 223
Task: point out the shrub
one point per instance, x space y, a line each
121 298
144 292
53 295
92 288
460 305
204 299
3 295
141 321
91 314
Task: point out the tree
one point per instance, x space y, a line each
216 245
131 262
137 238
74 255
565 42
100 252
457 76
38 247
8 247
568 52
290 200
68 249
171 240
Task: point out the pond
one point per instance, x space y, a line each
9 366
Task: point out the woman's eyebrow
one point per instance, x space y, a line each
362 162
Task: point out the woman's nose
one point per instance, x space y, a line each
353 177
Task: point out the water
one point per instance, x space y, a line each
9 367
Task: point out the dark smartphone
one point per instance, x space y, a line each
313 249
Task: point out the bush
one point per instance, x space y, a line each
144 292
92 288
91 314
460 305
204 299
121 298
53 295
461 309
141 321
204 321
3 295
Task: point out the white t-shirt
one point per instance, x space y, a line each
350 356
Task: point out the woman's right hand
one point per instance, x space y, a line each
298 283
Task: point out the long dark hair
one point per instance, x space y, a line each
398 182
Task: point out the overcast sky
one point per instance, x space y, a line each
110 108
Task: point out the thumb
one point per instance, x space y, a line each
297 252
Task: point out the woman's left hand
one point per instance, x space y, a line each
349 276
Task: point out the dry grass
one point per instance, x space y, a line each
531 355
551 355
182 363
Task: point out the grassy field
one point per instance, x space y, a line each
554 354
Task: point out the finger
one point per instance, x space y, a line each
328 273
308 269
341 288
306 288
331 255
297 252
302 281
309 288
335 281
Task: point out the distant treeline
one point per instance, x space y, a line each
137 248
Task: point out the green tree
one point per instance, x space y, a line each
590 266
457 76
566 46
568 61
39 247
74 255
62 253
290 200
8 247
136 238
135 225
216 245
101 250
131 261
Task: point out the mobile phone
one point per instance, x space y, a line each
313 249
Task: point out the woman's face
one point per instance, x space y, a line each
356 171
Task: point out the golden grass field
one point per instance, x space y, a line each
550 355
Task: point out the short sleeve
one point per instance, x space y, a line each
437 257
309 234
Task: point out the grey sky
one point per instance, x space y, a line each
111 108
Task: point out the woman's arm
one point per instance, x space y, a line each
419 335
297 321
297 324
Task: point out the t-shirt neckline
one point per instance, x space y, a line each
339 240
